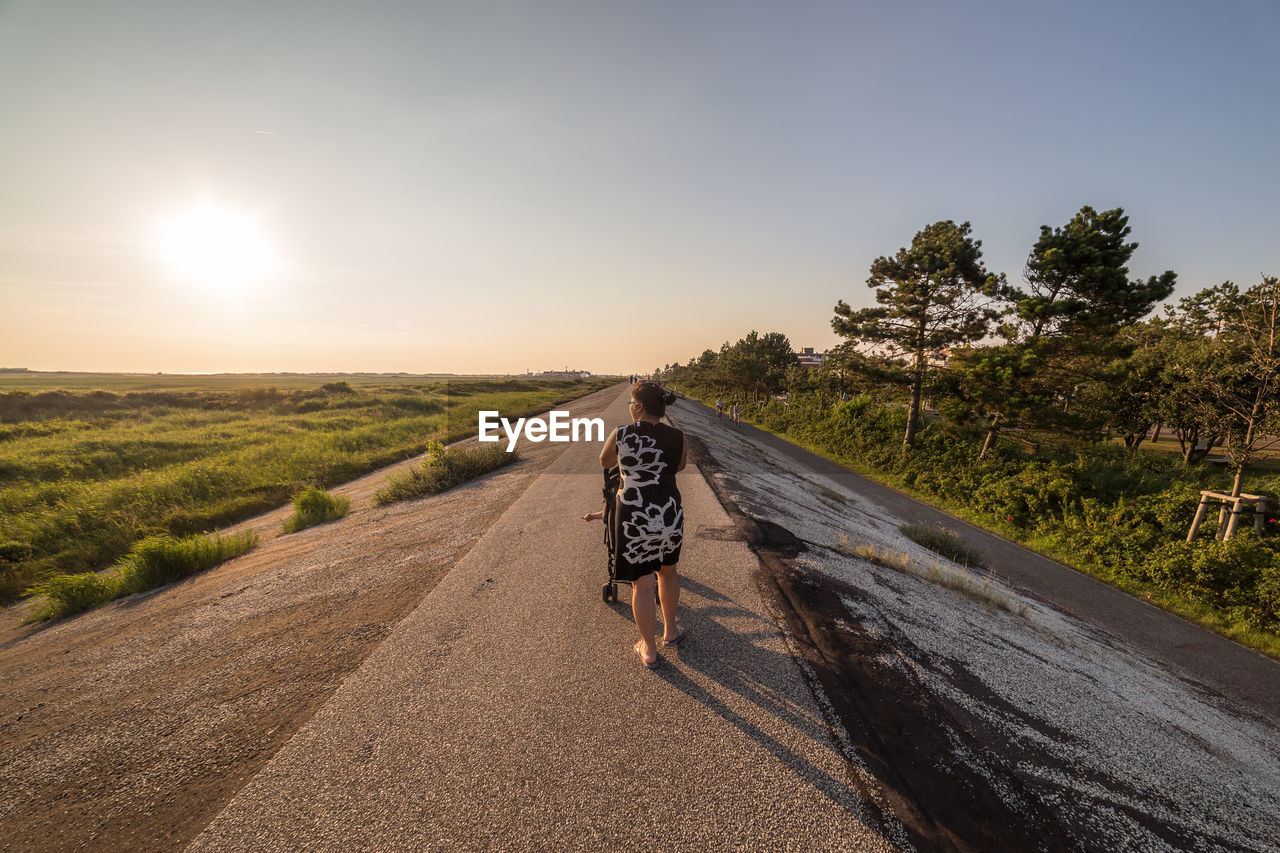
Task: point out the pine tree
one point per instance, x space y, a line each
932 295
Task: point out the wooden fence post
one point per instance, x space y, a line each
1235 519
1200 513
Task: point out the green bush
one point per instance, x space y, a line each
1240 577
314 506
442 469
65 595
155 561
14 552
158 560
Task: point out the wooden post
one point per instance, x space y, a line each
1223 518
1234 521
1260 515
1200 513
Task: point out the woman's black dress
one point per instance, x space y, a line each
650 522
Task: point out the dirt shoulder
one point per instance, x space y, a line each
131 726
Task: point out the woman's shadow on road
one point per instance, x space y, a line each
744 664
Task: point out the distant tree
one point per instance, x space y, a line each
994 385
1247 389
776 358
846 369
800 379
1127 393
1078 280
1065 331
932 295
1187 405
758 364
1205 314
1222 374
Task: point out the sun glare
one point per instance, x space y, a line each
217 247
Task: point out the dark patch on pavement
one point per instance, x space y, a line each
777 539
728 533
890 721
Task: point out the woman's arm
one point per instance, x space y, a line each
609 453
684 452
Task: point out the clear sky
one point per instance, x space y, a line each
493 187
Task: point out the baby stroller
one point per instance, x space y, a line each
612 479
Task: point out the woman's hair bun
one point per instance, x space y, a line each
653 397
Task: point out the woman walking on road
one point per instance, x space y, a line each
650 520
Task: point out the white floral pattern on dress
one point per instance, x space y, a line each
653 532
640 461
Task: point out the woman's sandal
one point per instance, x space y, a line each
638 648
676 640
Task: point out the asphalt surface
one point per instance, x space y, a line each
991 718
508 711
1246 679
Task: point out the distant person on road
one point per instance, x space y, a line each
719 407
736 413
650 519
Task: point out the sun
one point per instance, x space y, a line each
217 247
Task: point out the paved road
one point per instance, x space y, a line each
508 711
1246 678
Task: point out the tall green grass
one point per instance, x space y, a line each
314 506
153 562
944 541
86 474
442 469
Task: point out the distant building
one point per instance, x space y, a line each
809 358
938 358
563 374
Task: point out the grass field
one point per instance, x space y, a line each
91 465
30 380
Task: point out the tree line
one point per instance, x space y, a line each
1074 350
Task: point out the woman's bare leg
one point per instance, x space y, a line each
642 610
669 592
